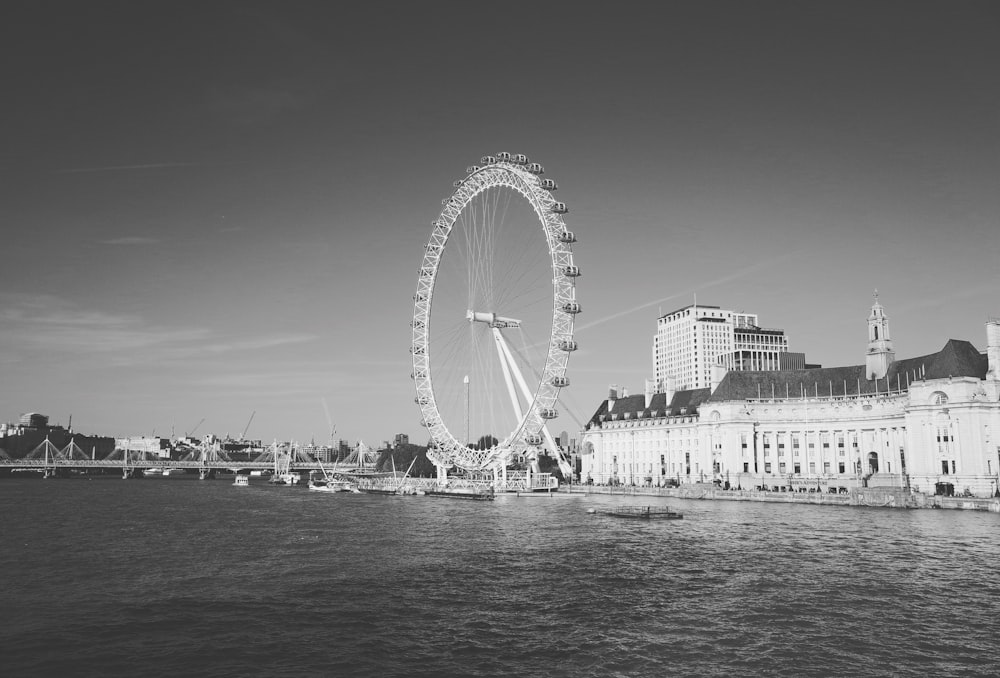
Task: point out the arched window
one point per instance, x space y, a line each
939 398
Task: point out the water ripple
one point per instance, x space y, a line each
164 578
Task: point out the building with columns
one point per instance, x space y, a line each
930 424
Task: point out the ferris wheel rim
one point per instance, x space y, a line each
448 449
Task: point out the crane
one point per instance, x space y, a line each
191 433
243 436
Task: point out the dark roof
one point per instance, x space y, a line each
688 401
957 359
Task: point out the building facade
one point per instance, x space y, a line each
691 340
930 424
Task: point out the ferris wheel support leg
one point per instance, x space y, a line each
504 354
514 368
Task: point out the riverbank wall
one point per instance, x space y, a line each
879 497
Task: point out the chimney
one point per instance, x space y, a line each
668 389
993 349
650 390
613 396
718 374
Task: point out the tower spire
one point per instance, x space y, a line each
880 352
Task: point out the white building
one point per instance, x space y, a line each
930 423
691 340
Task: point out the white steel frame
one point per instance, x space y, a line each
447 450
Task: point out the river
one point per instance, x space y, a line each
175 576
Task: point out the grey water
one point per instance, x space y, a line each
168 577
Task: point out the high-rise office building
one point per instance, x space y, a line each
691 340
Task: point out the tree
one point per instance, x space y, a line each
485 442
402 456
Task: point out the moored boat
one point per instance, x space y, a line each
640 512
475 494
242 481
331 485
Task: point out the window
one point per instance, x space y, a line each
944 467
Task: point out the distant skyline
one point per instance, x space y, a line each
214 209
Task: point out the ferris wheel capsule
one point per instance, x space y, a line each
571 271
520 159
548 413
568 345
549 185
535 168
567 237
488 160
560 382
503 156
472 169
571 307
559 208
533 439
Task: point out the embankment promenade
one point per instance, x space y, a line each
881 497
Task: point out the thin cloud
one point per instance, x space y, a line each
131 240
126 168
735 275
50 325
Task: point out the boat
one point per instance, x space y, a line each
329 482
330 485
149 472
640 512
473 493
285 479
242 481
378 490
388 485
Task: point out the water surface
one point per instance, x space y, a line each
175 576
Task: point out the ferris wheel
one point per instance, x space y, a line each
493 316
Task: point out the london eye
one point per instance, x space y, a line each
493 317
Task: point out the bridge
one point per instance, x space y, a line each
279 458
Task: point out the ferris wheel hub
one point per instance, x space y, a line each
491 319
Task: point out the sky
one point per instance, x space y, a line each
213 212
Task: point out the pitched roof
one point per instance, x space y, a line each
682 402
957 359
